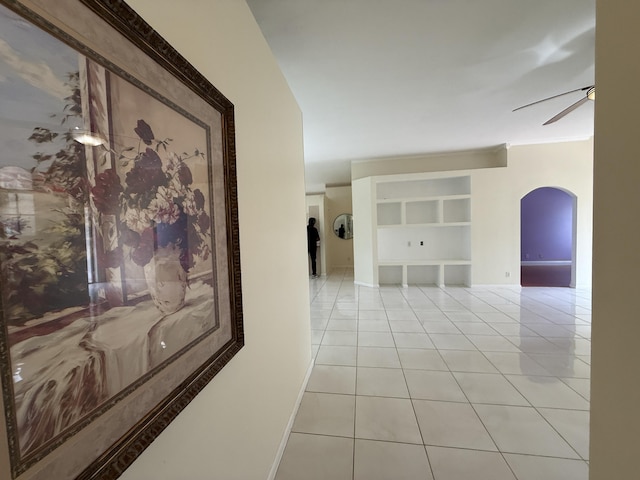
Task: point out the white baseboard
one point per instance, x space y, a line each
285 436
362 284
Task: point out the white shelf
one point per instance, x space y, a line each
423 198
389 213
426 272
433 187
391 275
424 262
456 275
425 211
423 231
421 212
423 274
430 225
456 210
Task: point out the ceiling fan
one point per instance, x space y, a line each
590 94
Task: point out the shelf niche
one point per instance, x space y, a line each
457 275
433 187
423 274
389 213
456 210
390 275
425 211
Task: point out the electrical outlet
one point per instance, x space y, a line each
408 244
507 274
421 242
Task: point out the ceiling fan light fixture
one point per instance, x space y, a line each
590 95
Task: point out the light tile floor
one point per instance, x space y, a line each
443 384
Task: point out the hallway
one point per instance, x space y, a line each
482 383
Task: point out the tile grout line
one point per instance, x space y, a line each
355 387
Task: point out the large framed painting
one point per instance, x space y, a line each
120 292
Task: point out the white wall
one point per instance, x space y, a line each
615 390
339 251
365 240
495 207
233 429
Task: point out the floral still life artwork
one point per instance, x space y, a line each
163 217
110 258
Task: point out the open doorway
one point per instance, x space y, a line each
547 238
313 211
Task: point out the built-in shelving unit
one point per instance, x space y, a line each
424 231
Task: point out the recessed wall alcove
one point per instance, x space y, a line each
547 238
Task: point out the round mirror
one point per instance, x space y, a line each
343 226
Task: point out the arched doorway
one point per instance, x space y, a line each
547 238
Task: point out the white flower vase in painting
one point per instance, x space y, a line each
166 279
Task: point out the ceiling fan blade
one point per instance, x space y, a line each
567 110
554 96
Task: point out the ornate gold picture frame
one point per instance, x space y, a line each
120 287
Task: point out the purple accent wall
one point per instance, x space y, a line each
546 225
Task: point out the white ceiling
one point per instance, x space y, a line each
383 78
